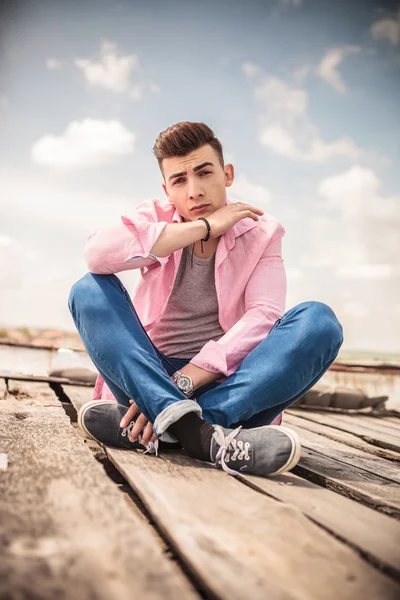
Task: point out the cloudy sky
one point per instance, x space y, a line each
303 94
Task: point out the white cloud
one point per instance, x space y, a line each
367 245
90 142
287 130
351 257
295 274
3 101
38 269
155 87
372 272
356 309
51 206
229 157
328 67
301 73
117 73
356 193
388 29
252 193
53 64
17 260
250 69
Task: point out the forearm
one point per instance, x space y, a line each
200 376
179 235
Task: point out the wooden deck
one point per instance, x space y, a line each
81 521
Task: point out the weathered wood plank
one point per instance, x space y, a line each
237 542
60 359
32 394
323 506
45 378
379 493
376 438
342 452
65 529
3 389
77 394
243 544
24 361
372 423
341 436
346 519
392 419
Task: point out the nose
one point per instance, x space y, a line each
195 189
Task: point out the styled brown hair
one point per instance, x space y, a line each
184 137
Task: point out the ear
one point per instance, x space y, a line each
164 187
229 174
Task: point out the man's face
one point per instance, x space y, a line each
195 179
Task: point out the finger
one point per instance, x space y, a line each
154 437
132 411
147 433
138 427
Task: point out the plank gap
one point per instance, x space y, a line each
339 435
385 441
370 558
134 501
336 486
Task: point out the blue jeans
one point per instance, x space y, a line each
295 354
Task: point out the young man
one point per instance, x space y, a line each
205 357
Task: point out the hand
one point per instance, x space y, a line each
226 217
141 425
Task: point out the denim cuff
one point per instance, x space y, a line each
173 413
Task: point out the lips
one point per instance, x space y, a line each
195 208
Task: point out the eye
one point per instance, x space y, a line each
179 178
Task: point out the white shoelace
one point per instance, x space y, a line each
151 447
126 430
230 449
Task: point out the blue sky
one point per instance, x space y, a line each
303 95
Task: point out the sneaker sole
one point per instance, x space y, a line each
296 449
81 415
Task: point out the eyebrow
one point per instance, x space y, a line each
204 164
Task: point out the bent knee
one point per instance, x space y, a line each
324 321
84 292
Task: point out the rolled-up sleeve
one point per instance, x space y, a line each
127 245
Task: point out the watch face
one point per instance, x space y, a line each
184 383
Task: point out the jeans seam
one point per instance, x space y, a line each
126 294
98 356
104 362
331 359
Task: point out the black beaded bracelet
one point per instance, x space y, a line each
203 240
208 232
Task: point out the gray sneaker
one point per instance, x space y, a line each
268 450
100 419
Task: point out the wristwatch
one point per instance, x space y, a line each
184 383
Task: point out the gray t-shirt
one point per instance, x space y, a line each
190 319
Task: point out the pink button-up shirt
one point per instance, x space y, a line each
250 279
